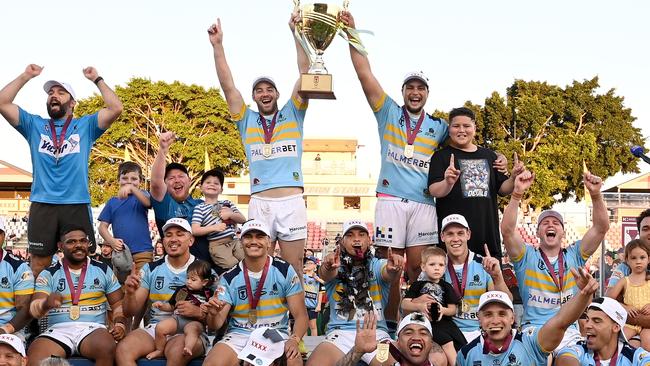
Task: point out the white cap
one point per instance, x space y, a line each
354 224
14 342
613 309
454 219
48 85
179 222
259 350
255 225
416 75
2 225
415 318
264 78
495 296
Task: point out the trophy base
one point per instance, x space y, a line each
316 86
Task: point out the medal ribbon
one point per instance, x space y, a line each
252 301
455 283
268 130
56 140
488 347
612 361
411 133
551 270
75 294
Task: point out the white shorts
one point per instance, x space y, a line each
344 341
151 330
286 217
70 334
400 223
237 341
471 335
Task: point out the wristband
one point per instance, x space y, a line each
99 78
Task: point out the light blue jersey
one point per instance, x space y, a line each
312 288
477 284
65 181
524 350
627 355
540 296
272 310
378 290
16 279
161 279
397 169
99 282
622 270
282 168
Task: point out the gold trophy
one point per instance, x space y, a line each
319 25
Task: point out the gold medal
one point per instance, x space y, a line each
408 150
382 352
75 312
216 211
252 316
266 150
464 306
181 295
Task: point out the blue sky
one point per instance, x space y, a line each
467 48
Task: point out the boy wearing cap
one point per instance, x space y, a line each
356 283
218 220
12 351
500 344
259 292
544 291
312 286
272 138
60 148
470 274
605 341
465 180
16 292
157 281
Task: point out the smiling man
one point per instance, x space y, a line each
60 148
545 282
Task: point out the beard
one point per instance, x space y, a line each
63 109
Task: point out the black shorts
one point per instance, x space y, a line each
312 314
446 331
47 220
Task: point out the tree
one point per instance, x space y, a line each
199 118
554 129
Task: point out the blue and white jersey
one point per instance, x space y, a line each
168 208
162 280
16 279
312 289
272 309
524 350
99 282
397 169
622 270
626 356
65 181
378 290
282 168
478 281
539 294
203 215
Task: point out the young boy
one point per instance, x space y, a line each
312 292
197 291
127 215
218 219
440 304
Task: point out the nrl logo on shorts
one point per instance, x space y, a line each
61 286
160 282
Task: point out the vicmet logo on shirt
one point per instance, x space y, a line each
70 146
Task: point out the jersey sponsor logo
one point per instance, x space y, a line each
545 300
299 228
417 162
41 281
383 234
27 275
279 149
159 283
70 145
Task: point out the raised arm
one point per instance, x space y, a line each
493 268
596 233
509 185
393 267
301 56
113 109
442 188
369 83
233 96
551 334
513 242
8 109
158 186
330 266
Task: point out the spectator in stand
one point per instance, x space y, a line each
159 250
635 289
15 218
312 285
620 256
127 215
